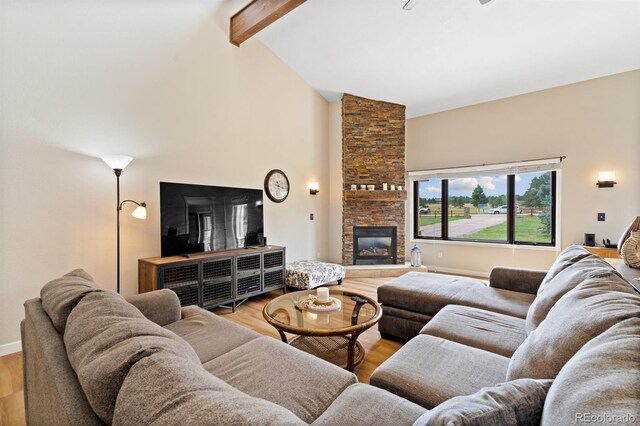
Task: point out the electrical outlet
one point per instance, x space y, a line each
439 255
600 217
311 216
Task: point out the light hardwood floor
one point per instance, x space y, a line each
248 314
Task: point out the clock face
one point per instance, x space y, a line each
276 185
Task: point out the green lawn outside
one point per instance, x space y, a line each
526 230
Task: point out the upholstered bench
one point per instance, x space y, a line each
307 274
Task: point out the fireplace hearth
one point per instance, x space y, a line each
374 245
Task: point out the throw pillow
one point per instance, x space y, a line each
518 402
563 282
105 337
583 313
601 383
60 296
566 258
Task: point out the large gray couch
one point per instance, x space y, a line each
577 325
570 354
92 358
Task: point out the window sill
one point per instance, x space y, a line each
492 245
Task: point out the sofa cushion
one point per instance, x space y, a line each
61 295
160 306
400 323
164 389
566 258
427 293
516 403
490 331
269 369
602 379
104 337
208 334
560 284
429 370
580 315
366 405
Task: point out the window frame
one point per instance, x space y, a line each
511 203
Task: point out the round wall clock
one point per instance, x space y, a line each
276 185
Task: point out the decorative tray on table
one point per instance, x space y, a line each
311 302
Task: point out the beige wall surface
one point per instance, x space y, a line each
595 124
158 81
335 177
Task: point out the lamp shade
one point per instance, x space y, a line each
140 212
606 176
117 162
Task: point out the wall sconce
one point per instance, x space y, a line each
118 163
606 179
314 188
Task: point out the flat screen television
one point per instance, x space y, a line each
201 218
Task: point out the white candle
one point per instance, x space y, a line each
322 293
384 186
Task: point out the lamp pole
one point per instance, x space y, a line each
118 172
117 163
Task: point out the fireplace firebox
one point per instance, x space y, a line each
374 245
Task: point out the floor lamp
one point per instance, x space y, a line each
118 163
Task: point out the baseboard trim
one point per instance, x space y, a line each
456 271
10 348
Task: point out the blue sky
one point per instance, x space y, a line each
492 185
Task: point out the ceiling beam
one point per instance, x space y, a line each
257 15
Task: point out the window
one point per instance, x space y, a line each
511 204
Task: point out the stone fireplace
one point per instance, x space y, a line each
375 245
373 153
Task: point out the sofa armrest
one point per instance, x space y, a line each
160 306
516 279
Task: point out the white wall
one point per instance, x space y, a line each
158 81
335 177
595 124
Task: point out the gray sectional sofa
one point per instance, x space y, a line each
564 350
577 326
92 358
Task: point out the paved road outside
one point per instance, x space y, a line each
462 227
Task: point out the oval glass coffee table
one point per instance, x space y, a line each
332 336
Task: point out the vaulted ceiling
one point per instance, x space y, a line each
446 54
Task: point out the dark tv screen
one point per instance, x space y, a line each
201 218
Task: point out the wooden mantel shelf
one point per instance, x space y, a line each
375 195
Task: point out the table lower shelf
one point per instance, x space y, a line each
330 348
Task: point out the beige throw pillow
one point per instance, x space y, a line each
105 337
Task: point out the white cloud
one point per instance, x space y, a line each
464 184
429 190
486 182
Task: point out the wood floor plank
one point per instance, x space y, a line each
249 314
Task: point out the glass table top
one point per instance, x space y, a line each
356 310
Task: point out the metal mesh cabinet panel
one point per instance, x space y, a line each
179 275
248 275
217 269
247 263
217 282
273 259
188 295
274 279
215 293
248 285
